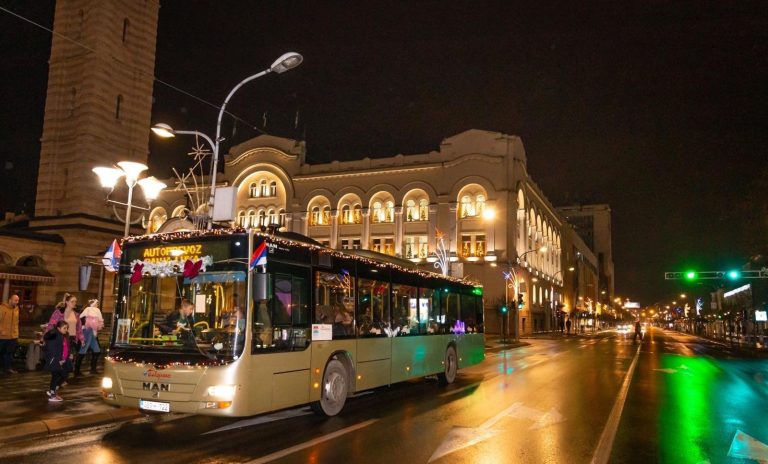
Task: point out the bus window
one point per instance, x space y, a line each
405 317
373 307
281 323
430 298
468 314
450 310
335 302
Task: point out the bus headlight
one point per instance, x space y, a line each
106 383
225 392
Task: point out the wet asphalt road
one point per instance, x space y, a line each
547 402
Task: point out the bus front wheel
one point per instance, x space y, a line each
334 390
451 365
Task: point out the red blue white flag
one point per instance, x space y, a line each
111 259
259 256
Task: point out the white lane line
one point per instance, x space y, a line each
308 444
282 415
603 450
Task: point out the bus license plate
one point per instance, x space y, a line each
154 406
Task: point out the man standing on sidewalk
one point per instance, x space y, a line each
9 331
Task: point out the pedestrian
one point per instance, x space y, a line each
568 325
58 358
92 323
638 331
65 310
9 331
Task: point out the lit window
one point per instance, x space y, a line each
253 191
273 189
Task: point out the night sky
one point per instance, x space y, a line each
656 108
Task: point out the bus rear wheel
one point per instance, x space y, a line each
451 367
334 390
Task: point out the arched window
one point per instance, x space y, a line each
479 204
357 214
271 217
423 209
273 189
314 217
281 217
378 212
411 211
241 218
466 207
326 214
262 221
156 219
346 214
253 191
251 222
263 188
389 213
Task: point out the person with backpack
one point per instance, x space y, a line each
92 323
58 359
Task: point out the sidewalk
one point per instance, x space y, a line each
27 413
742 349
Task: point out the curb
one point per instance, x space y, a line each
45 427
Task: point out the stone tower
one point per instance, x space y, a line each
97 112
99 100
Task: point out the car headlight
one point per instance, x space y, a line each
106 383
226 392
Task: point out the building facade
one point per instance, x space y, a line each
473 197
593 224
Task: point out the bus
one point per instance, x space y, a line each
236 322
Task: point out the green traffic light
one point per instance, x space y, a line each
503 309
733 275
690 275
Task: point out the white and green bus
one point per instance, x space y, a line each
197 329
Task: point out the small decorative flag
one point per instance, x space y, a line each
136 276
111 259
191 270
259 256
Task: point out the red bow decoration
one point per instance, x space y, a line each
136 276
191 270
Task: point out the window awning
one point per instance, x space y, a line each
26 274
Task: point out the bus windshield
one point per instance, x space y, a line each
204 315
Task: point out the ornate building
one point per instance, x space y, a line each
474 194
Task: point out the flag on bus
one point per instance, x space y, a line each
259 256
111 259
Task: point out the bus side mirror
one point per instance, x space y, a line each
260 286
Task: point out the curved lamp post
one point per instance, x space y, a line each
286 62
130 171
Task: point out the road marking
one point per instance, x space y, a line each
282 415
311 443
463 389
603 450
463 437
747 447
666 370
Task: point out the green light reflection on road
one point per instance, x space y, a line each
686 414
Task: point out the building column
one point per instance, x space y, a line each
304 223
6 289
366 238
334 228
288 218
398 231
453 233
431 244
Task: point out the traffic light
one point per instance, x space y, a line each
691 275
520 302
733 274
503 309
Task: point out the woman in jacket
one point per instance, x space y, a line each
65 311
57 358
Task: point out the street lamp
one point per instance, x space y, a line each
542 249
131 171
286 62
